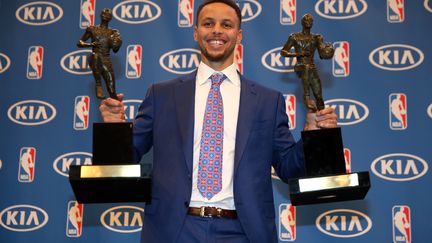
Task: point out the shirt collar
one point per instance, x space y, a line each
204 72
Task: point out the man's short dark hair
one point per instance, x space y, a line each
230 3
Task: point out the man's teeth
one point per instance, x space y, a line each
216 42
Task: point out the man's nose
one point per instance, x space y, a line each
217 28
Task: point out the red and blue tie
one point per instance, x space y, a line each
210 157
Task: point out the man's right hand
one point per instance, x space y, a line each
113 110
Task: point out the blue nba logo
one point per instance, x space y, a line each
288 12
27 162
341 59
401 224
133 61
74 222
81 112
35 62
395 11
87 13
287 222
398 111
290 104
185 13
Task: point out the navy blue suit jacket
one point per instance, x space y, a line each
165 121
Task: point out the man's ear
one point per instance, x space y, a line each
239 36
195 35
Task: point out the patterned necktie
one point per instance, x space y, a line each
210 157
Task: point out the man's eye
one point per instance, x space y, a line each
228 26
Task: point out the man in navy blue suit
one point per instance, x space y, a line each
234 157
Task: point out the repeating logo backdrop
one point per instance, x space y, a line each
379 83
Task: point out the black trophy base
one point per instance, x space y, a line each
323 151
326 179
112 143
331 188
110 183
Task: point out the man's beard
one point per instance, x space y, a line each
218 57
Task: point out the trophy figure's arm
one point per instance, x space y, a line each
320 42
286 50
325 50
116 40
82 42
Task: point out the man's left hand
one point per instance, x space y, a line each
325 118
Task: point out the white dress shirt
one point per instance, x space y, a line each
230 90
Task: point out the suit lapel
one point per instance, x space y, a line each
248 103
184 97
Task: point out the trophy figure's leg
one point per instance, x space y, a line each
96 67
317 90
108 75
305 76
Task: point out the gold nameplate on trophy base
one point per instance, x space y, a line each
328 182
330 188
100 171
110 183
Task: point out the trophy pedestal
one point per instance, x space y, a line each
332 188
326 179
110 183
112 143
113 176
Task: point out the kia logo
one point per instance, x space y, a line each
63 162
131 108
349 111
180 61
76 62
39 13
136 11
31 112
399 167
343 223
273 61
123 219
342 9
249 9
22 218
396 57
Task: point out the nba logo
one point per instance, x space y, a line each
27 161
287 222
290 103
401 224
288 12
341 59
35 62
347 156
87 14
398 111
185 13
395 11
74 219
238 57
81 112
133 61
